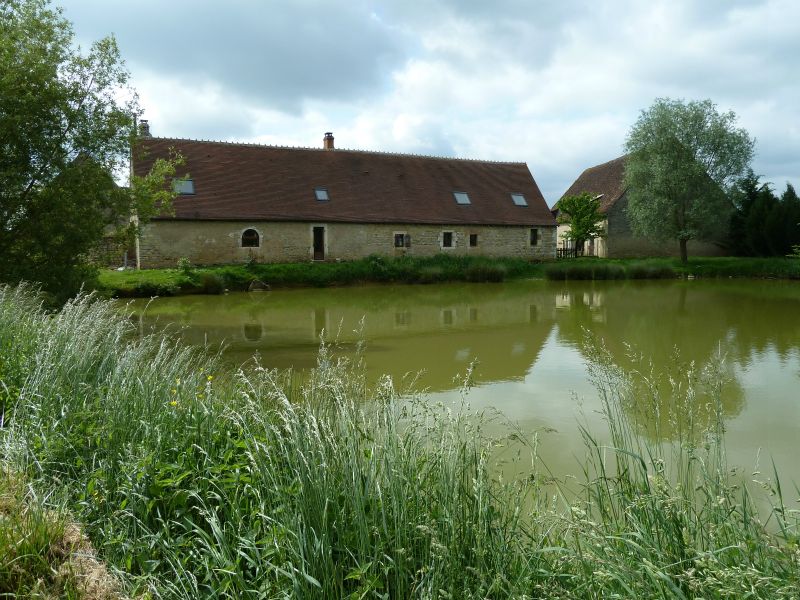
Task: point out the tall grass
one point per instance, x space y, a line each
264 484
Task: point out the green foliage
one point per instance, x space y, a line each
667 268
64 135
211 283
682 159
579 269
763 224
185 265
582 214
264 484
370 269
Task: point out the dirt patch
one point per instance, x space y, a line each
45 554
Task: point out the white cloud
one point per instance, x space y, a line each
554 84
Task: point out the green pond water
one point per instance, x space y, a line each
528 343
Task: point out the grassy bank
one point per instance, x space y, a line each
214 280
671 268
435 269
264 485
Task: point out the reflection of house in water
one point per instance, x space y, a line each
407 329
320 322
591 300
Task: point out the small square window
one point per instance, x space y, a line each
519 200
399 240
534 237
321 194
184 187
447 239
473 240
461 197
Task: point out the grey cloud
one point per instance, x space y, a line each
278 54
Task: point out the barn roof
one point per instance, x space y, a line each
607 179
257 182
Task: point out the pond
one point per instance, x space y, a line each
528 343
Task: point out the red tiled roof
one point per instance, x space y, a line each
253 182
607 179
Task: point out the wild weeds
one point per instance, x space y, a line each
267 484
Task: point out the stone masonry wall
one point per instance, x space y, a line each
219 242
621 243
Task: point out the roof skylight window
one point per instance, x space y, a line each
461 197
519 200
184 187
321 194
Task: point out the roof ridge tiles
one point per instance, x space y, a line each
377 152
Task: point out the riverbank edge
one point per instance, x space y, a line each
206 486
439 269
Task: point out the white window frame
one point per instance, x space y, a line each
406 239
521 195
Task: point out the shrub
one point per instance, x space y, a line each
482 272
211 283
555 271
605 270
184 266
651 271
148 289
430 274
580 271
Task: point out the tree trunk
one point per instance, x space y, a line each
684 254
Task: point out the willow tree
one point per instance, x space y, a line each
683 158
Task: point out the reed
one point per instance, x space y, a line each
267 484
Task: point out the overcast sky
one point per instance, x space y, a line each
554 84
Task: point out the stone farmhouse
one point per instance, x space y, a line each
607 180
243 202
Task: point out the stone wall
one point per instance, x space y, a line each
219 242
621 243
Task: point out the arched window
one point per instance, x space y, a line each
250 238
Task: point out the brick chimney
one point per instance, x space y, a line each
144 128
327 141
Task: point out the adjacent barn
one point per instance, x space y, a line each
607 181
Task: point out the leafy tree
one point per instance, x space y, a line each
582 213
752 202
763 224
683 159
66 121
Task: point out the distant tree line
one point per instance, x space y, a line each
763 223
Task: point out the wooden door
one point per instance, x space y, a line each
319 243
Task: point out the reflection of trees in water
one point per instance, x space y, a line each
643 324
678 400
